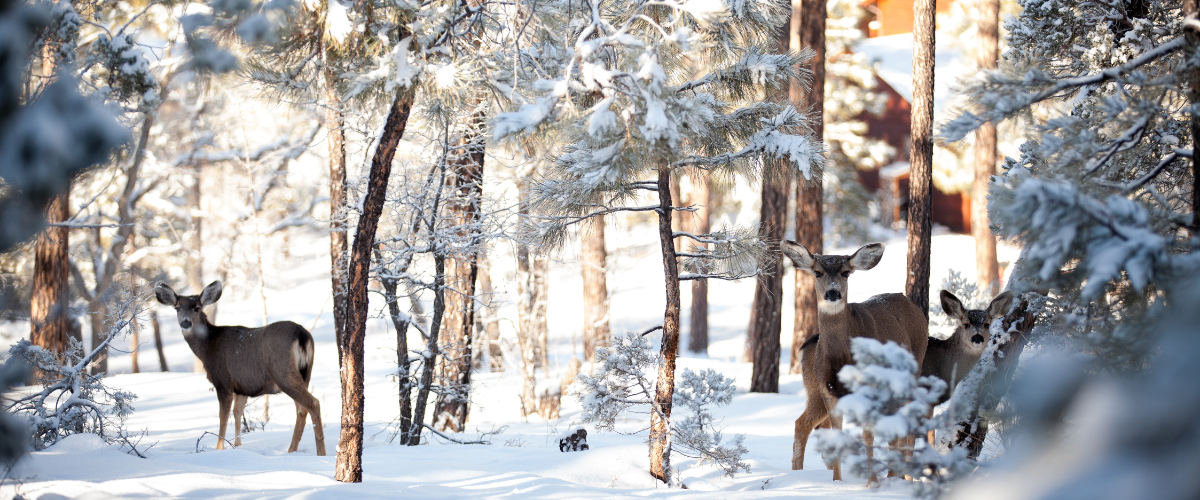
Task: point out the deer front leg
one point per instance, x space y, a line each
814 416
869 440
225 399
239 406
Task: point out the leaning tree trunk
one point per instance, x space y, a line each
971 432
349 457
808 30
664 390
985 155
335 121
49 317
698 327
593 256
920 180
454 371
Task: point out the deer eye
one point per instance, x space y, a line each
845 274
818 274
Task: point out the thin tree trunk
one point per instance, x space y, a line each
985 155
195 254
594 257
531 290
133 334
491 324
664 391
972 431
698 328
768 292
349 457
403 367
454 373
49 315
431 345
334 120
808 30
1191 11
920 180
158 344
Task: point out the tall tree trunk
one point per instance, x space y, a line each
195 253
768 293
531 287
335 121
985 155
49 316
698 328
808 30
491 324
594 257
1192 11
158 344
454 373
349 457
664 390
920 180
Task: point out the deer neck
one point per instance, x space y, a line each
199 335
837 324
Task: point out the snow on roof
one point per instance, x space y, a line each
895 53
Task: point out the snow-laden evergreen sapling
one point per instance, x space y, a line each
650 90
1103 196
889 400
71 400
625 381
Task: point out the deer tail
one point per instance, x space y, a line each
302 354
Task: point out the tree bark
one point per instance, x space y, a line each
335 121
349 457
698 327
454 373
985 155
49 315
593 257
531 286
158 344
664 391
1191 11
768 292
920 181
808 30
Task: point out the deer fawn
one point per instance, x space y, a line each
889 316
248 362
951 359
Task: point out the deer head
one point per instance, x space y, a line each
832 271
189 309
972 328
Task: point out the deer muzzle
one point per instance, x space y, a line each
833 295
185 324
977 338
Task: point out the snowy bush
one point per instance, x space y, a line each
887 399
623 383
72 401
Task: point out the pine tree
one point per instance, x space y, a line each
638 114
920 187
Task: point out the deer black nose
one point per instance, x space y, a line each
187 323
833 295
978 339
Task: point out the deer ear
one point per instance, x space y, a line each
800 256
866 257
211 293
951 305
1000 305
165 295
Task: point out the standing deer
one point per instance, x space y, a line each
884 317
951 359
248 362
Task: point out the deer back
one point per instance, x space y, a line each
257 361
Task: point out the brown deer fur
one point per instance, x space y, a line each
248 362
885 317
951 359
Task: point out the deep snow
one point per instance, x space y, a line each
523 460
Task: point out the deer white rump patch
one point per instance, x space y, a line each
301 358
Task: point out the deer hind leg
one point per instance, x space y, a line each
869 440
225 399
305 404
239 406
298 431
815 415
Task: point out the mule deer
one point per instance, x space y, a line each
951 359
248 362
884 317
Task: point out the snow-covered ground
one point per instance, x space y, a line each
523 461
